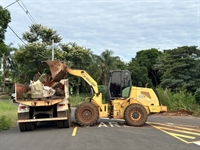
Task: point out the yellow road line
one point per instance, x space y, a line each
172 134
180 136
178 130
175 126
74 131
164 127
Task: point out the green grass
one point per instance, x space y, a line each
8 114
75 100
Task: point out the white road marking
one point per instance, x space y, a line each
112 124
102 124
197 143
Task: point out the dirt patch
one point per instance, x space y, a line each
180 112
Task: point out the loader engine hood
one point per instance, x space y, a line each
58 70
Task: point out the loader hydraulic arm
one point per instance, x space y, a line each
83 74
59 69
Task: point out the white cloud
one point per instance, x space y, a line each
122 26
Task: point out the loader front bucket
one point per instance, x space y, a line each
58 70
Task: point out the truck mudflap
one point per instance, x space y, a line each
42 119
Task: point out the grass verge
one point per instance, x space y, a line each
8 114
75 100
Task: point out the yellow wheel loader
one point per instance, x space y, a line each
122 100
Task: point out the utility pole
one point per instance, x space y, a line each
52 49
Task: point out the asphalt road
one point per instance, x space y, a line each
160 133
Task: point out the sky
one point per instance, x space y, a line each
123 26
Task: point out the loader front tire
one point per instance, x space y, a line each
86 114
135 115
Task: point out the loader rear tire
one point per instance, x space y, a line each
135 115
86 114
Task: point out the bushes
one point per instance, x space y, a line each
5 122
102 89
197 95
178 100
8 114
75 100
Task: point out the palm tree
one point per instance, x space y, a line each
7 61
106 64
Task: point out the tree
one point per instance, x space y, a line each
29 61
118 64
181 68
106 63
38 33
148 58
139 74
29 57
5 18
77 57
7 61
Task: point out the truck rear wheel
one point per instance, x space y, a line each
22 127
29 126
60 124
66 123
135 115
86 114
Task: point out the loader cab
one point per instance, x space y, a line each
119 85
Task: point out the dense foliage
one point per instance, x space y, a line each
5 18
180 68
197 95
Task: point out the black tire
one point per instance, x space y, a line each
66 123
22 127
86 114
135 115
60 124
29 126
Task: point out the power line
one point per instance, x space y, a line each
13 31
26 11
11 4
16 34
